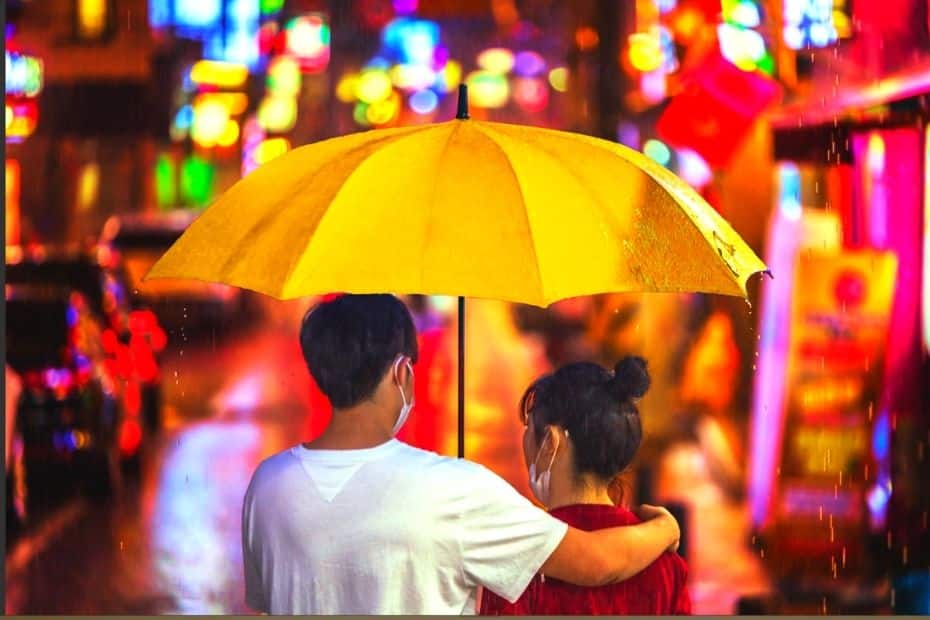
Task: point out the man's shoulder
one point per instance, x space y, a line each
445 464
272 466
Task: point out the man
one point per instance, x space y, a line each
357 522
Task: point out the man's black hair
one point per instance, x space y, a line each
351 341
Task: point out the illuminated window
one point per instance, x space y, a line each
93 19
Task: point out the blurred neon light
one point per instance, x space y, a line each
411 41
529 64
496 60
814 23
789 179
234 103
926 240
22 117
767 425
876 191
657 151
743 47
230 135
166 186
11 206
271 148
270 7
218 73
283 77
531 94
346 88
210 119
413 77
424 101
277 114
88 186
741 12
405 7
645 52
654 85
92 18
449 78
308 39
24 74
693 169
558 79
360 114
252 136
200 13
196 183
487 89
383 112
373 86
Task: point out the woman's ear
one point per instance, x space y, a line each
552 441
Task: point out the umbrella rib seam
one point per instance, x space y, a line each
526 215
367 145
432 206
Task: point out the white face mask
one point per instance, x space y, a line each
540 484
405 409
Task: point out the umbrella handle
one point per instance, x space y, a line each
461 415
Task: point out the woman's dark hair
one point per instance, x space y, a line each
597 408
351 341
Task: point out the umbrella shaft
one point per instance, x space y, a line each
461 416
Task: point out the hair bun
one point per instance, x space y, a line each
631 378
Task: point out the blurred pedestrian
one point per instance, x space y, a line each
582 431
356 522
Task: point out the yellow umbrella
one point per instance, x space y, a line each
463 208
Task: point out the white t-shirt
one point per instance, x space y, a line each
387 530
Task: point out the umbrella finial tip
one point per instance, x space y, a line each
463 102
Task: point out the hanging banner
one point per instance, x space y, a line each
827 474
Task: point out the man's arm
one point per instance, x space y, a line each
611 555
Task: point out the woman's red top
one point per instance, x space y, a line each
660 589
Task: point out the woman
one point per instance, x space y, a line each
582 431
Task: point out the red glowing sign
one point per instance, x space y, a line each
716 110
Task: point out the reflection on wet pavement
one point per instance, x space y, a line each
170 544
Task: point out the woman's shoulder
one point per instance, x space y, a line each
594 516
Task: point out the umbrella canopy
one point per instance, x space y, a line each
463 208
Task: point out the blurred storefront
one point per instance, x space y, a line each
840 409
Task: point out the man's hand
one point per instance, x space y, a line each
647 513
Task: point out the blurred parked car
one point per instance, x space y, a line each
68 416
132 338
185 307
